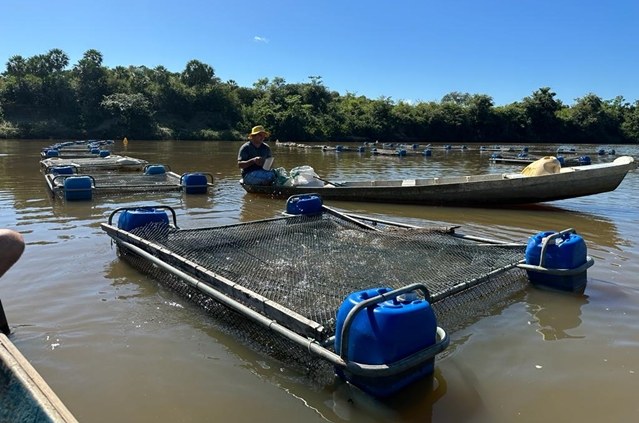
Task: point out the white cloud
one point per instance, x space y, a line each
259 39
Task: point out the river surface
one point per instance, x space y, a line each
117 346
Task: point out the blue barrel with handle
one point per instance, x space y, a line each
306 204
135 218
154 170
564 254
384 333
62 170
78 188
195 183
584 160
52 152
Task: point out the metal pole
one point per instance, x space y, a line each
4 325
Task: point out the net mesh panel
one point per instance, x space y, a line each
97 163
311 264
117 182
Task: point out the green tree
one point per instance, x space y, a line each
541 109
630 125
132 114
197 73
91 86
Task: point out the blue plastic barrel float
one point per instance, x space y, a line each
584 160
427 152
306 204
52 152
134 218
195 183
384 333
151 223
78 188
564 263
401 152
95 150
104 153
62 170
154 170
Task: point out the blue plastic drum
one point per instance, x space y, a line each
154 170
135 218
566 252
195 183
304 204
385 333
78 188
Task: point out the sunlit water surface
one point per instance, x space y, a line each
117 346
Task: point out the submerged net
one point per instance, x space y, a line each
117 182
311 264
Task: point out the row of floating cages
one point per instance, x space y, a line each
362 295
67 182
80 146
578 161
54 152
559 151
603 152
401 152
96 163
376 147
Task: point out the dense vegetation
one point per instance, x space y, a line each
40 97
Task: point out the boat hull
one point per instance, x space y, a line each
479 190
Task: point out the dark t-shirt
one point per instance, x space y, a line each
248 151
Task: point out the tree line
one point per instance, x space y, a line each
44 97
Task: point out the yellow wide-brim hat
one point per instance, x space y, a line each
259 129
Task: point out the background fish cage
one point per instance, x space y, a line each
110 162
128 182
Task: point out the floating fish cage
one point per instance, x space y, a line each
66 182
65 154
363 295
99 162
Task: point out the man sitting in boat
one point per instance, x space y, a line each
252 158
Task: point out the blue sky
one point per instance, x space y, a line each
415 50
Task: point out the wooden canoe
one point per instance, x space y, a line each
477 190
